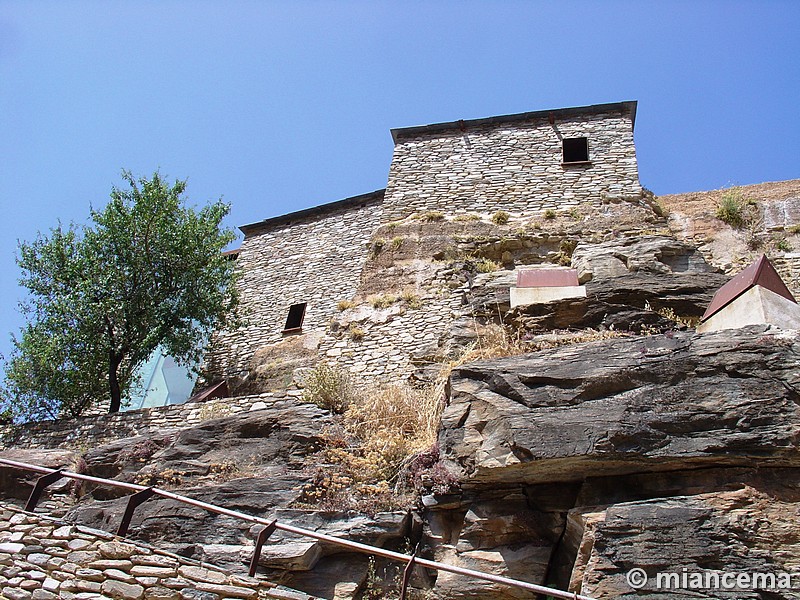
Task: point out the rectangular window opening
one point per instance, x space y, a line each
576 150
294 321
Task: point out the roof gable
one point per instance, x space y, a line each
761 273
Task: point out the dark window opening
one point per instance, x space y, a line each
576 150
294 322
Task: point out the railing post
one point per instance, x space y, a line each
407 572
262 537
38 488
134 500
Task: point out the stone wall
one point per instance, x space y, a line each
315 259
414 329
788 266
92 430
42 558
515 166
318 256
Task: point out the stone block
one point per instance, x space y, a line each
202 574
119 575
161 593
126 591
147 571
226 591
15 594
116 550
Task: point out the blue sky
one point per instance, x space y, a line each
278 106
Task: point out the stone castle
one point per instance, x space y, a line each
614 434
297 268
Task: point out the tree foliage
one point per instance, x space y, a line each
147 272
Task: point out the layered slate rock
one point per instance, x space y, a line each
628 281
253 463
579 463
750 530
627 405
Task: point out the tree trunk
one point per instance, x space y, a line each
114 361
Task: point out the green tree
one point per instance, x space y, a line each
147 272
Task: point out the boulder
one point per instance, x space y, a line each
17 483
624 405
742 531
639 254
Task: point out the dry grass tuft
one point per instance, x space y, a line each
343 305
382 300
501 217
411 298
432 216
379 429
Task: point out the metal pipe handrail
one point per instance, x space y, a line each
357 546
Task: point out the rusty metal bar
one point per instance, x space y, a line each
134 501
407 572
260 539
41 484
355 546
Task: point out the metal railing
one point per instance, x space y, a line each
143 493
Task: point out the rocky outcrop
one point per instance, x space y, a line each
754 529
651 283
252 463
625 405
580 463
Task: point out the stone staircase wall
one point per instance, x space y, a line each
43 558
91 430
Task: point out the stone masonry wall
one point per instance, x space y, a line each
394 337
316 260
516 167
100 429
43 559
788 266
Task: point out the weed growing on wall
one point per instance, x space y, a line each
411 298
377 247
566 249
549 214
735 210
500 217
329 388
486 265
355 332
343 305
382 300
431 216
377 432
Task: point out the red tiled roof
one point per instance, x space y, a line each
761 272
530 278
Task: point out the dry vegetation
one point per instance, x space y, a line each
383 450
380 430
